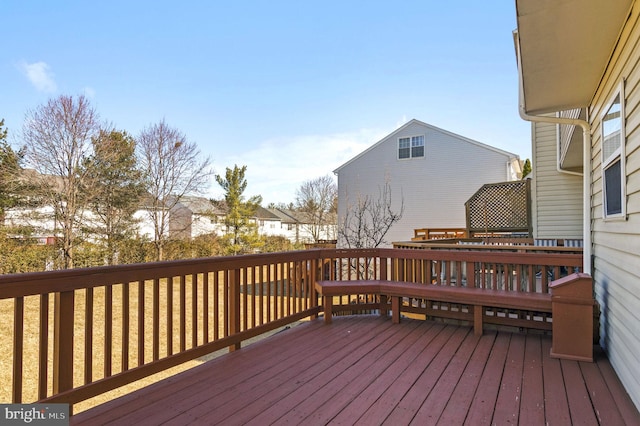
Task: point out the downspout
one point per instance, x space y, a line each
586 157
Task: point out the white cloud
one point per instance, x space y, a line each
278 167
89 92
40 75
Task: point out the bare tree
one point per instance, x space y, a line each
367 222
173 168
58 138
318 200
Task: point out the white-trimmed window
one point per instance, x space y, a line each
411 147
613 158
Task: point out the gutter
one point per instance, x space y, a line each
586 157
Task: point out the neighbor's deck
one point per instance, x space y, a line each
365 370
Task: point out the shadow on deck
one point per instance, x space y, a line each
365 370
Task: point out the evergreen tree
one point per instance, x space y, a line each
118 188
9 167
242 233
526 168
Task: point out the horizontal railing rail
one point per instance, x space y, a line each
78 333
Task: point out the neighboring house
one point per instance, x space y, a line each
433 170
580 58
268 223
299 227
194 216
289 224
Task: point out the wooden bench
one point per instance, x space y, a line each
479 298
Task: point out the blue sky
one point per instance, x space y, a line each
291 89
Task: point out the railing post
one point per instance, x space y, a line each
63 342
383 268
315 272
234 306
18 348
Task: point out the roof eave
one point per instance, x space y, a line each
565 49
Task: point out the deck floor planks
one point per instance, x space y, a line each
434 405
389 396
508 403
556 405
295 375
283 370
231 381
462 397
405 411
623 401
357 396
532 401
186 384
357 373
382 395
484 402
577 395
601 397
286 389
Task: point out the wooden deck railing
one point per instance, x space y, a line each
79 333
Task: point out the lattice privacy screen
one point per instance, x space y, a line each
500 207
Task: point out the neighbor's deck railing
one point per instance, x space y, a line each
79 333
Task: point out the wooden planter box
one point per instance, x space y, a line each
572 309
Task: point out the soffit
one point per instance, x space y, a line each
565 46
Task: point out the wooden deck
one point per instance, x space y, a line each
366 370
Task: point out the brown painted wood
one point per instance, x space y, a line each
230 373
63 342
405 411
580 405
141 328
43 344
124 341
18 349
623 401
365 370
600 395
556 404
88 336
463 395
108 329
532 402
507 409
381 397
486 395
431 410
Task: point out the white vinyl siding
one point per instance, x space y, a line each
557 197
616 243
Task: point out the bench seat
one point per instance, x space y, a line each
476 297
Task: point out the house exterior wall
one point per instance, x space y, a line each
434 188
616 243
556 196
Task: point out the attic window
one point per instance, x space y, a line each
411 147
613 155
